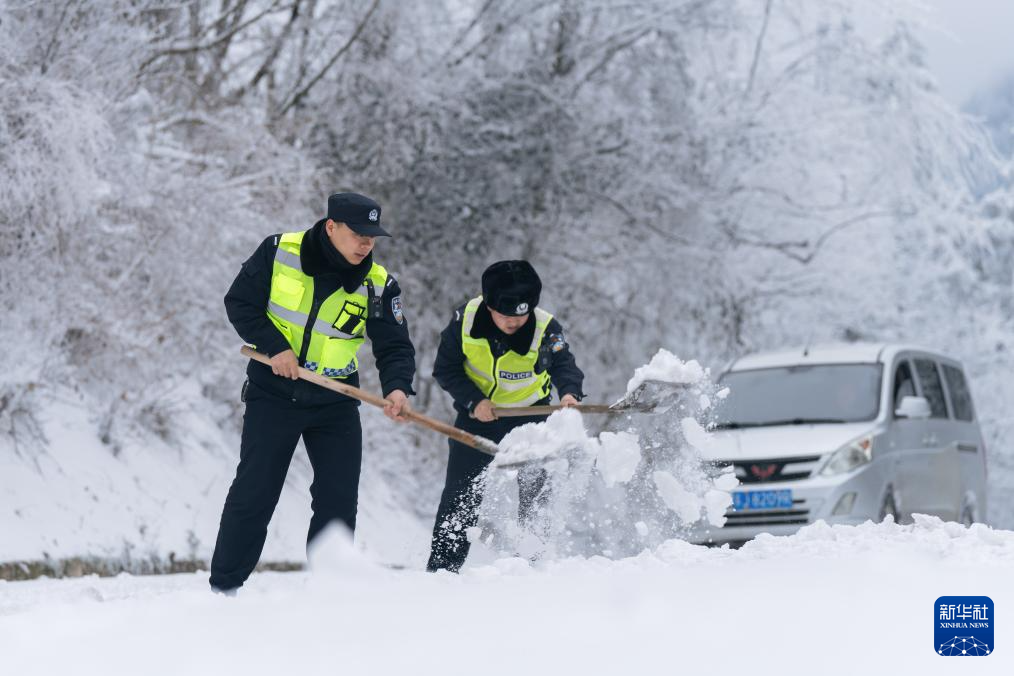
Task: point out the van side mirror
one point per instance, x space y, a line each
913 407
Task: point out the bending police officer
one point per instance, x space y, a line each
307 299
499 350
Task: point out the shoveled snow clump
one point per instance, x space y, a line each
637 483
667 367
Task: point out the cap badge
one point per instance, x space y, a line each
374 215
522 308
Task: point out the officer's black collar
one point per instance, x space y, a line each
520 341
319 257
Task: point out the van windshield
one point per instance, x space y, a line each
800 395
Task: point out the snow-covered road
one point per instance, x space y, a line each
842 600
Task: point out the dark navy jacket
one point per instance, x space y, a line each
247 301
449 368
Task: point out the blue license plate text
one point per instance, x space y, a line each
742 501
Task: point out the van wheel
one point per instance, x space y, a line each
889 508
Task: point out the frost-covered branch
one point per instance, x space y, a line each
220 40
297 95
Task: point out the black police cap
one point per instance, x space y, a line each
358 212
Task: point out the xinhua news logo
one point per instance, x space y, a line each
963 626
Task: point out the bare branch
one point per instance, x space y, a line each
57 32
611 52
757 49
468 29
631 218
802 208
298 95
508 21
272 56
630 35
225 37
787 248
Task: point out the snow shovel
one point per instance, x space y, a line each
651 396
472 440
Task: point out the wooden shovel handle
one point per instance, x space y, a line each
471 440
516 411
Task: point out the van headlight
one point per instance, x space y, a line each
849 456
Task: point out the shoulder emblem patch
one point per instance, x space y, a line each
396 310
557 342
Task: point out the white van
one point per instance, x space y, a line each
846 433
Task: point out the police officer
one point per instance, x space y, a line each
500 350
307 299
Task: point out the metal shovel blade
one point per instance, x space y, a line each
651 396
559 454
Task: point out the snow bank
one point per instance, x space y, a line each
152 498
845 599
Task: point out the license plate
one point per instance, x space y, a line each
743 501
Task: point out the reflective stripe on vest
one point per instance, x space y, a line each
509 380
337 330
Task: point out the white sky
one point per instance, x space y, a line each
972 44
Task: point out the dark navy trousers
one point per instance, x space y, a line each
272 426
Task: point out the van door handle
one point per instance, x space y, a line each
929 440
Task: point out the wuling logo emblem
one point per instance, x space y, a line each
762 472
963 626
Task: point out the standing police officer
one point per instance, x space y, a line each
306 299
500 350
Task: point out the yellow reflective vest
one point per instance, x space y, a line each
338 324
509 380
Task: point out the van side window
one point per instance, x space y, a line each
904 385
932 388
961 398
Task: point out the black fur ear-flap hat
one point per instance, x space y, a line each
511 287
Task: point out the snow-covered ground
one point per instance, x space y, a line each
841 600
